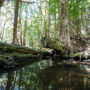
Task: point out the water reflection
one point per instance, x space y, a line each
46 76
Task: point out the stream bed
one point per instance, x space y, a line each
47 75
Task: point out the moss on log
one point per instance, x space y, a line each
9 48
59 49
55 45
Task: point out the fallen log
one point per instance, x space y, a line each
9 48
12 55
55 48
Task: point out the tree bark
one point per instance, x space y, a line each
15 22
64 27
20 25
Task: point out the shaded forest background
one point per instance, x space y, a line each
36 23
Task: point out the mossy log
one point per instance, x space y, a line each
55 45
59 49
12 55
9 48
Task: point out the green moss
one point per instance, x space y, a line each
55 45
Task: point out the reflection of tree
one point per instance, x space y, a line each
27 78
9 81
20 78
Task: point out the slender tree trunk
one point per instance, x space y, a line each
44 28
24 37
64 27
49 24
20 27
3 31
25 29
78 22
55 24
24 34
86 26
87 19
15 22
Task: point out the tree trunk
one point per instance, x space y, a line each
25 29
15 22
24 37
64 27
20 25
49 21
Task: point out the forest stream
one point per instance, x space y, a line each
47 75
44 44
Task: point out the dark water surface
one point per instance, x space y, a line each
45 75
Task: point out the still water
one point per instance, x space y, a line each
46 75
